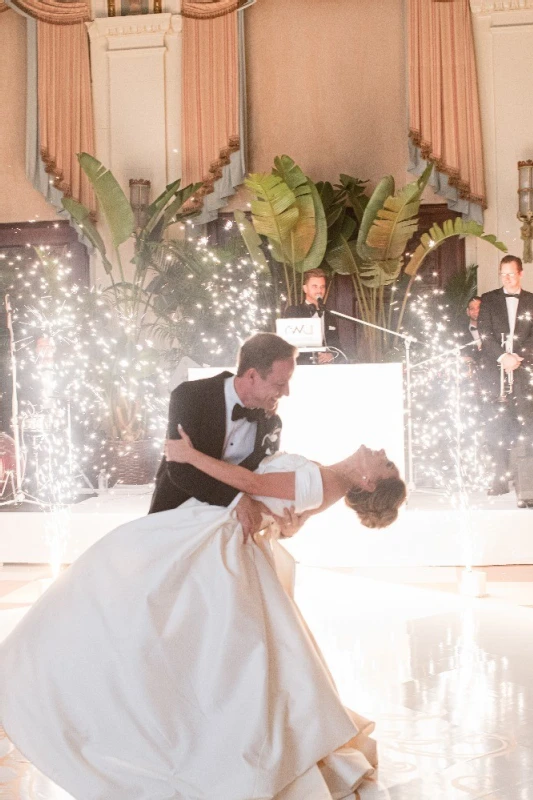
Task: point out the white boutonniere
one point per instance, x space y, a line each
270 440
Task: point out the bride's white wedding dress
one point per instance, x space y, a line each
169 662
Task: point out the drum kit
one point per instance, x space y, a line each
31 430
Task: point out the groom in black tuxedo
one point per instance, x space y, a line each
231 418
508 311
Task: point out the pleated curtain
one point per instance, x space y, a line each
444 111
210 101
65 114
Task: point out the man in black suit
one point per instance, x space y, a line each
472 312
227 417
468 333
508 311
314 289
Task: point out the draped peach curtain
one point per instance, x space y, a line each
443 94
210 118
65 115
58 12
205 9
65 106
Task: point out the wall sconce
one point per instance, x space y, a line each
525 206
139 200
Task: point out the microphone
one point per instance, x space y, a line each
320 304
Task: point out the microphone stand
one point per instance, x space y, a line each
407 340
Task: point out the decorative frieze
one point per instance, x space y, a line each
490 6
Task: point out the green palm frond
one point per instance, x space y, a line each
436 235
353 189
82 217
383 190
274 211
460 289
344 258
315 256
389 222
113 202
375 274
252 240
308 227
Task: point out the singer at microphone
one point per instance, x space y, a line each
314 289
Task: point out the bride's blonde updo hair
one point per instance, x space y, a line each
379 508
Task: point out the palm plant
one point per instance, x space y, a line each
288 212
376 260
133 310
341 228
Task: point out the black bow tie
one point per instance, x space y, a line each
251 414
510 294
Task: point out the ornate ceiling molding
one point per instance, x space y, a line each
490 6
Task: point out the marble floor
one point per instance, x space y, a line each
447 678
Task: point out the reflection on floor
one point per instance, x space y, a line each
448 679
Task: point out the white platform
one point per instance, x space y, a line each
430 532
330 411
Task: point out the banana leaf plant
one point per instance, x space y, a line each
382 272
132 309
288 213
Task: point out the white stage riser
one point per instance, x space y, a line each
419 538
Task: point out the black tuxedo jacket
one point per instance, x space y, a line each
493 321
306 310
200 407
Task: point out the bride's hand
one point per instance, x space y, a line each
179 450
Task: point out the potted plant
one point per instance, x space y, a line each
306 226
137 326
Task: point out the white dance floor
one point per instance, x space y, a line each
448 680
429 532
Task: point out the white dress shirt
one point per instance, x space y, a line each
240 434
512 307
322 318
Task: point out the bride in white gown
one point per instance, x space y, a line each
169 662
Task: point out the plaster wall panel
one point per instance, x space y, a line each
137 115
327 85
504 43
136 69
136 91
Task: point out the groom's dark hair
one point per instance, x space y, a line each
260 351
